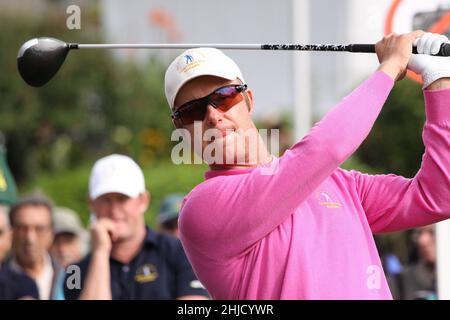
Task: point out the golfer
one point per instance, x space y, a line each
305 231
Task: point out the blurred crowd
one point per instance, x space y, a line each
40 242
415 279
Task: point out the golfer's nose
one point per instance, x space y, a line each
213 116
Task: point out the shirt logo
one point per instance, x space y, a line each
195 284
146 273
329 201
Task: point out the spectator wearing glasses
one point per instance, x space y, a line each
13 285
31 219
298 226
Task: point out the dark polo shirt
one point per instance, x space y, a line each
15 285
160 270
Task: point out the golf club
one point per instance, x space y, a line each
39 59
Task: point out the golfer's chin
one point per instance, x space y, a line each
29 259
219 152
230 160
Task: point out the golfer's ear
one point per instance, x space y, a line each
177 124
249 98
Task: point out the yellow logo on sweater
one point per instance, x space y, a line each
328 201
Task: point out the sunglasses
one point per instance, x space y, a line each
222 99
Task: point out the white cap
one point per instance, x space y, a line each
66 220
116 173
198 62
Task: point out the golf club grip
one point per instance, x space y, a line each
445 50
305 47
370 48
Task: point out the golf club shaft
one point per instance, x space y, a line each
167 46
355 48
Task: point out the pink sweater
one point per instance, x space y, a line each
305 232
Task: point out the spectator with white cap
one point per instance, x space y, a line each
128 259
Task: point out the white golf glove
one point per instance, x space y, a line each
430 67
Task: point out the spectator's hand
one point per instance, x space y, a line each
429 67
103 235
394 52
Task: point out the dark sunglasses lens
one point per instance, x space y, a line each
224 99
195 112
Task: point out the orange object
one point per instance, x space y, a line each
163 19
440 26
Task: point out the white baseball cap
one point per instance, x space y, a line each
198 62
116 173
65 220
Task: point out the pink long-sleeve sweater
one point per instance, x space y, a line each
306 231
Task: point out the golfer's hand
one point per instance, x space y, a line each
394 52
102 235
430 68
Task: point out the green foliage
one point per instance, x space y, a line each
96 104
354 163
394 144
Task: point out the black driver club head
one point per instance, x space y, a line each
40 58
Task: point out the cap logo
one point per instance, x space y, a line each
190 60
